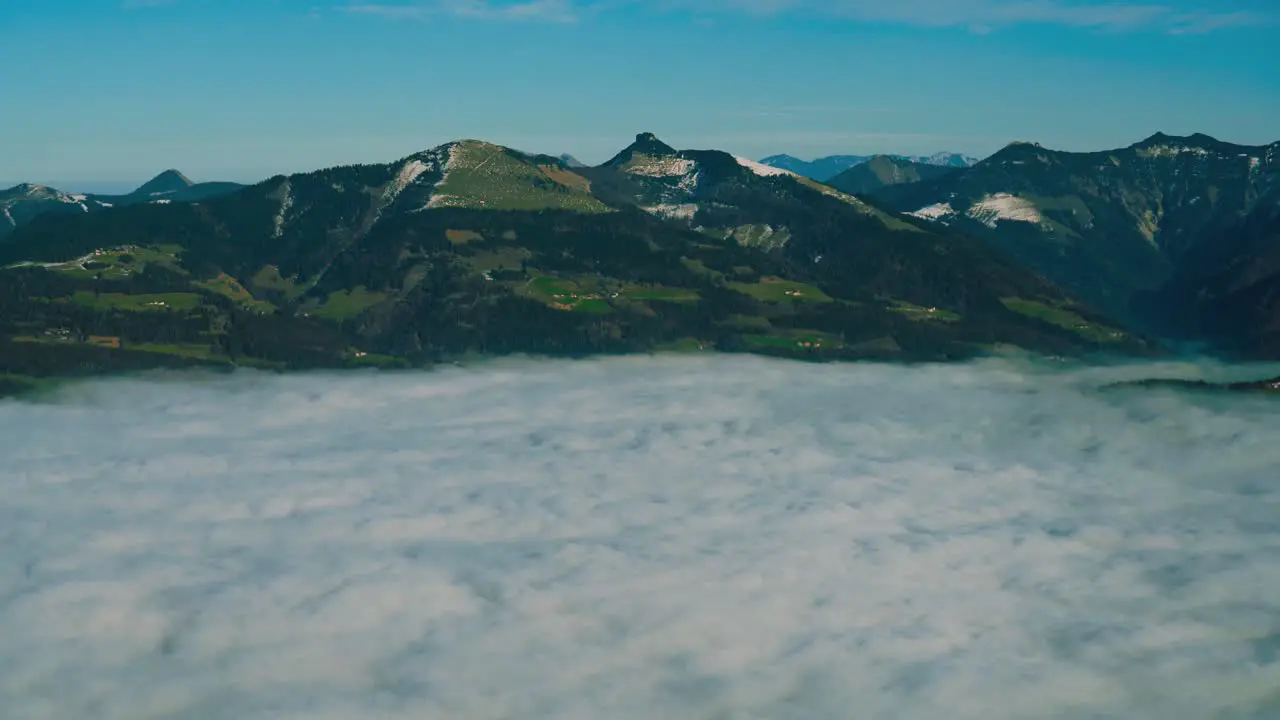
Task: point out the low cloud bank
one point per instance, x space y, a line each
718 538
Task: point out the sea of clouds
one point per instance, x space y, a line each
687 538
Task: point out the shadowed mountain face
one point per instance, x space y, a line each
1171 232
1227 287
472 247
883 171
23 203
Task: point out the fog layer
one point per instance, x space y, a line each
719 538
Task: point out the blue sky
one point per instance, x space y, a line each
99 92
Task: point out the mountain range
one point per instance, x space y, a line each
474 248
22 203
1174 235
883 171
471 248
825 168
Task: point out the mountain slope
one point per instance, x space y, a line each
22 203
475 248
1227 287
1106 225
840 238
883 171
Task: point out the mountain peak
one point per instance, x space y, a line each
1021 150
166 182
646 144
1158 138
649 144
571 161
30 190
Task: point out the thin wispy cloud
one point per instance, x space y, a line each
985 15
979 16
716 537
1203 22
560 11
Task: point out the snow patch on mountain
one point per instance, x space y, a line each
408 174
8 217
689 182
760 168
945 159
673 211
937 211
286 203
1170 151
651 166
991 209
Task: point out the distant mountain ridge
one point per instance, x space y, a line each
824 168
25 202
884 171
169 181
1174 233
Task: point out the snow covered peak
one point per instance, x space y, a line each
948 159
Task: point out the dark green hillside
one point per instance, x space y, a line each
1110 226
884 171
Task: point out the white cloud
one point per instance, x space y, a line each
983 15
979 16
636 538
535 10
